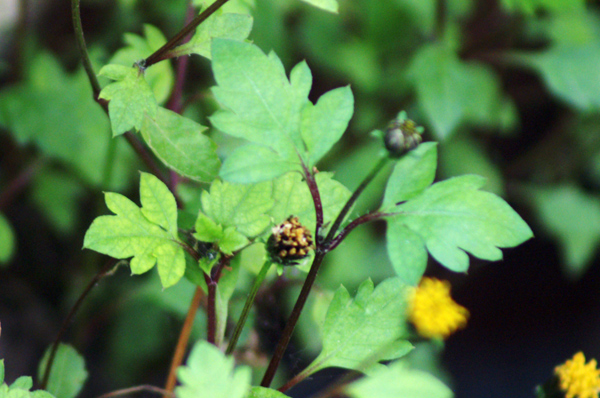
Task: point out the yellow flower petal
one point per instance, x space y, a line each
578 379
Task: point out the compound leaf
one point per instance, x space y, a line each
68 373
130 96
148 234
219 25
209 373
368 328
180 144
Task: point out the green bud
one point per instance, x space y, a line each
402 135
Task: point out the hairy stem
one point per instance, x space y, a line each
83 53
20 182
314 192
142 388
161 53
108 269
291 323
247 306
182 343
340 218
360 220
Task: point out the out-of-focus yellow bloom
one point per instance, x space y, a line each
433 312
578 379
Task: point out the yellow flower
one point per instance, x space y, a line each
433 312
578 379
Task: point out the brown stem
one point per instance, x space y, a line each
108 269
145 387
360 220
18 184
314 191
161 53
182 343
211 310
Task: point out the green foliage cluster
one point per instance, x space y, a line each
211 197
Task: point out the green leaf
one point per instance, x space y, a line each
396 380
160 76
1 371
261 105
7 240
131 98
414 172
68 373
327 5
445 87
292 197
225 25
232 240
570 72
148 234
180 144
207 230
451 218
244 207
573 217
558 6
263 392
366 329
209 373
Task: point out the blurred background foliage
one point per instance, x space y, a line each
510 89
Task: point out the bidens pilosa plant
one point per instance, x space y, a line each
197 221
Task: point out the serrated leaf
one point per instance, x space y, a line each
451 218
148 234
208 373
68 373
327 5
232 240
364 329
244 207
573 218
397 380
131 98
412 174
7 240
292 197
263 392
261 105
180 144
570 72
206 229
160 77
445 87
225 25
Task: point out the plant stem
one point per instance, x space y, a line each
291 323
16 186
247 306
360 220
109 268
211 310
141 388
314 192
85 59
160 54
340 218
182 343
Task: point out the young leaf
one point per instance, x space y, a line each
244 207
7 240
261 105
327 5
366 329
180 144
20 387
68 373
131 98
160 76
292 197
219 25
148 234
451 218
396 380
209 373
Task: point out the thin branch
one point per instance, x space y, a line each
340 218
142 388
314 191
360 220
109 268
291 323
211 310
20 182
161 53
83 53
182 343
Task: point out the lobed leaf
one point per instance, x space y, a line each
68 373
208 373
148 234
366 329
180 144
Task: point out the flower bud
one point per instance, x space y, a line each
289 242
402 135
